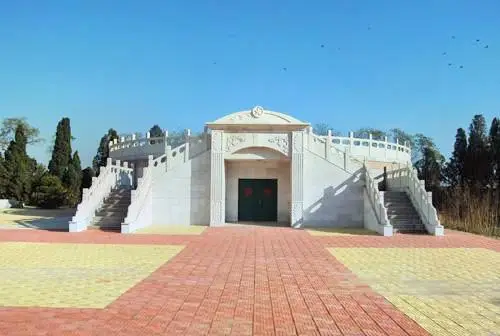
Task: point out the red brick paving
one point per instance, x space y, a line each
235 281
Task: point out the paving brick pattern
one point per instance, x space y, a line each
234 281
74 275
448 291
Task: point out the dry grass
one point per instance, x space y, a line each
462 210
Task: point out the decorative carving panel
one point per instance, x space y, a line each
280 142
233 141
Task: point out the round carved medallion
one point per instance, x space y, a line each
257 111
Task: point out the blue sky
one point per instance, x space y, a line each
131 64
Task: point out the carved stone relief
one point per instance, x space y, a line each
233 141
281 142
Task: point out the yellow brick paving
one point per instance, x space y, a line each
74 275
341 232
172 229
448 291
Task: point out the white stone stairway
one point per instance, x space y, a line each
401 213
113 211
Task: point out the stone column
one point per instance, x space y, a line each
297 179
217 180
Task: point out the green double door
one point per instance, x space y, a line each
258 200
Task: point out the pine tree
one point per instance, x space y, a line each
103 150
478 162
155 132
454 172
72 180
61 154
430 168
3 178
494 146
87 175
17 167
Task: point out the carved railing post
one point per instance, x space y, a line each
328 146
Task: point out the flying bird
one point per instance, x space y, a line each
453 37
284 69
486 47
461 67
322 46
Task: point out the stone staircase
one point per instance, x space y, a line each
114 210
401 213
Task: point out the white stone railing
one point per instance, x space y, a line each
322 146
407 179
139 212
130 148
111 176
384 226
364 149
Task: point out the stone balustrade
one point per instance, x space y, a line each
383 225
111 176
139 213
406 179
131 148
367 149
140 210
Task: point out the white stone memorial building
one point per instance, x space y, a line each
258 166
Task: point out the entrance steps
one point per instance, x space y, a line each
401 213
114 210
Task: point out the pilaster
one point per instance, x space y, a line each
217 179
297 179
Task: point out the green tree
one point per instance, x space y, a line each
103 150
398 135
61 154
494 148
8 130
429 168
50 193
478 162
87 175
364 133
3 178
155 132
72 180
17 167
39 171
454 172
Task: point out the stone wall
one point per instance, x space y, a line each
258 169
332 196
181 196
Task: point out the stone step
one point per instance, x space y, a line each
110 228
120 212
106 224
114 208
117 200
404 217
398 205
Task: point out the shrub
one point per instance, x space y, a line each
50 194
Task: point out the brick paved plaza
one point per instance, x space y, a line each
247 281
